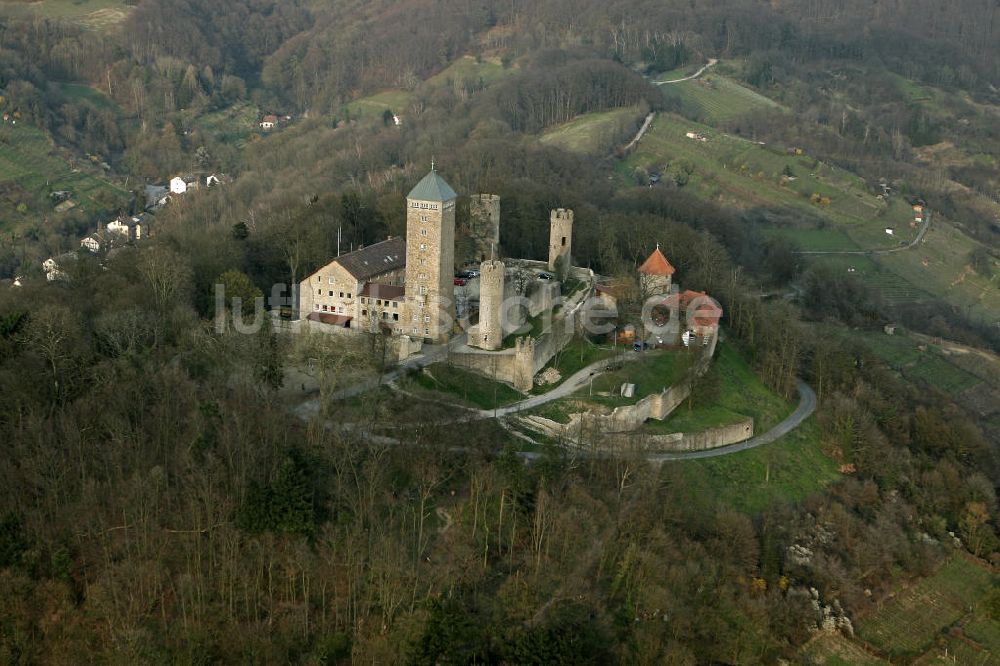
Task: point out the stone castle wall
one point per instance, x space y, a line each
710 438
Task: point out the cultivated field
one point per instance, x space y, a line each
907 624
747 175
836 650
712 98
31 168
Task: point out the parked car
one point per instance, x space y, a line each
466 275
546 276
461 282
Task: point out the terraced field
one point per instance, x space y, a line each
836 650
746 174
907 624
30 168
713 98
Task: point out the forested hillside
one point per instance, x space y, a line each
165 499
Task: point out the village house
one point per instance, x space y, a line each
132 227
183 184
269 122
54 266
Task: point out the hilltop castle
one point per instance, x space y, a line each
407 286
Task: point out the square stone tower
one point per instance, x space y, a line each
560 235
484 226
430 259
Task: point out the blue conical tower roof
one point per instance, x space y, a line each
432 188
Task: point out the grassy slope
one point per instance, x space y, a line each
449 382
590 133
742 394
714 98
466 71
747 175
91 14
788 470
30 168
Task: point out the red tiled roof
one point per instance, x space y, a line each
389 292
688 295
656 264
331 319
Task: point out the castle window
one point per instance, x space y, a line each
422 290
423 246
332 281
395 316
395 304
414 318
331 293
319 278
427 318
427 331
319 292
424 218
564 241
348 294
423 232
364 313
434 206
324 308
316 307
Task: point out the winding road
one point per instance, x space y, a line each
711 63
889 250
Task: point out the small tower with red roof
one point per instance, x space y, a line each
655 274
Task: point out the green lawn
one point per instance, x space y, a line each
469 387
714 98
592 133
653 373
575 356
786 471
907 624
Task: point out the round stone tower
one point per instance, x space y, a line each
491 279
560 235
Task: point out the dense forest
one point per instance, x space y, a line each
160 501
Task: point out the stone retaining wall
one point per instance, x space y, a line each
711 438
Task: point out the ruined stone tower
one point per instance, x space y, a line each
430 259
484 226
560 235
491 284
